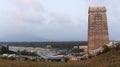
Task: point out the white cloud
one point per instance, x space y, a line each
27 17
61 18
29 4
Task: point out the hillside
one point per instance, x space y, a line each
109 59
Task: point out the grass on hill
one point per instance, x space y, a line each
109 59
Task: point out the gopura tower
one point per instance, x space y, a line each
97 28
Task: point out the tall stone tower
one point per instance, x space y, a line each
97 28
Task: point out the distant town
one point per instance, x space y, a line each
40 51
49 53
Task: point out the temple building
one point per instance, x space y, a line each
97 28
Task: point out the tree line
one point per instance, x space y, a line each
64 44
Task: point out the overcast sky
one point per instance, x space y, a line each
53 20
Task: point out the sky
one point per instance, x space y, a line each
53 20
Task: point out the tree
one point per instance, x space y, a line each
5 49
77 50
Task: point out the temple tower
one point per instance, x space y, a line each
97 28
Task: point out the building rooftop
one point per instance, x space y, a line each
96 9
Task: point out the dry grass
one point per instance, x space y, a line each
8 63
110 59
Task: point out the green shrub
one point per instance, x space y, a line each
90 55
83 58
4 57
106 48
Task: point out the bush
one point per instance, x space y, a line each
83 58
66 59
106 48
26 59
98 53
11 58
4 57
90 56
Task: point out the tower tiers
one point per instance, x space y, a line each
97 28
